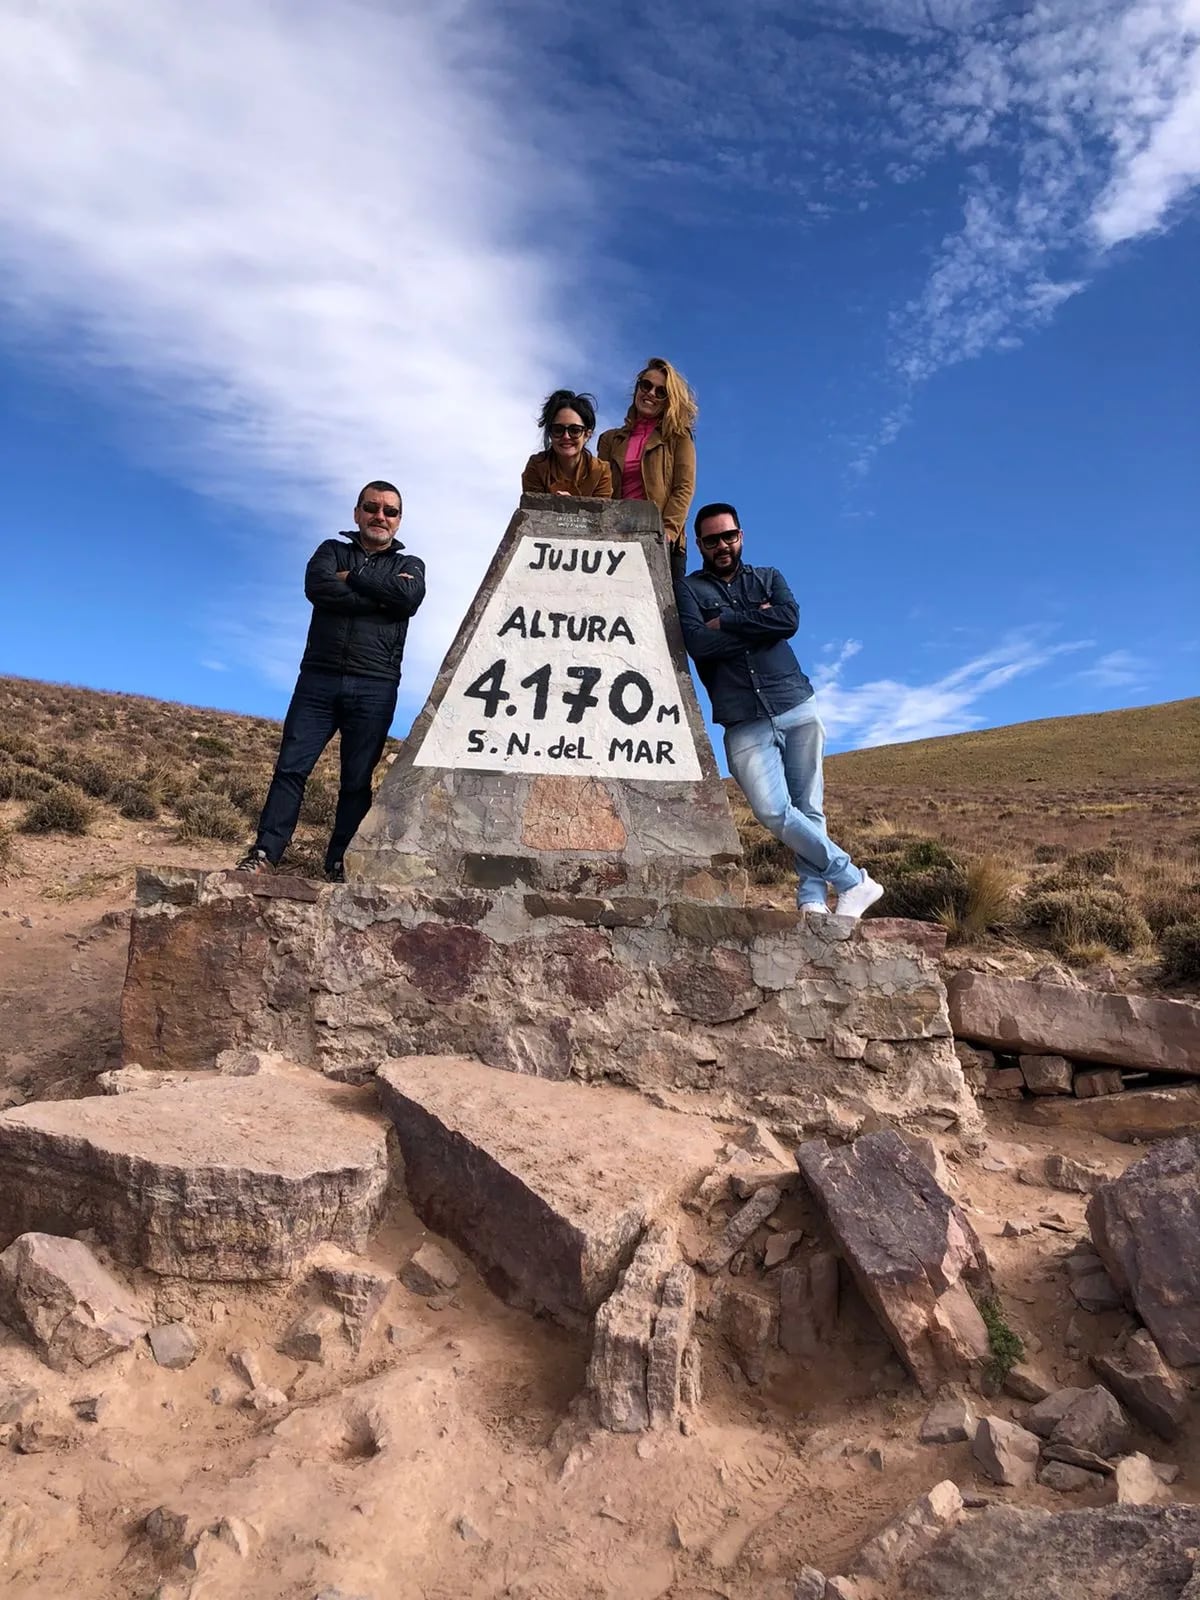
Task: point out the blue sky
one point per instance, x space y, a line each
931 268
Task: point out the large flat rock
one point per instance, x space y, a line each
237 1178
1120 1030
1146 1226
1126 1552
547 1186
912 1251
1128 1118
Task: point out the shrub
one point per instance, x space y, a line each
247 790
1097 863
94 777
931 896
1180 949
766 859
1047 852
17 746
135 801
924 855
209 816
319 804
921 877
212 744
1005 1344
6 848
30 784
62 809
1169 905
1085 915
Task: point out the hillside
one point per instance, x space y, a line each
96 756
1075 836
1147 744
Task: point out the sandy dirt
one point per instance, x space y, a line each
441 1460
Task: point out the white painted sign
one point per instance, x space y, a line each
568 672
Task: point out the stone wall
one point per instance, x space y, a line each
809 1022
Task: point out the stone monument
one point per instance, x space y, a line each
550 883
561 748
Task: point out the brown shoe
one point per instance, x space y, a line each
255 860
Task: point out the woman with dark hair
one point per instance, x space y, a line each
565 465
652 454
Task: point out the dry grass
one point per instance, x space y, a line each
987 904
978 830
64 748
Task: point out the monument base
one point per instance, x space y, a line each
812 1024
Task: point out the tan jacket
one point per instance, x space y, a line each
543 475
668 473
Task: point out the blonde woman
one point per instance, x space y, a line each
652 454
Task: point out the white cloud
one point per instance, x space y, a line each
889 711
1119 669
1159 146
1081 123
305 233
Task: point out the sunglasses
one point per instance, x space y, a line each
710 541
654 389
374 507
567 430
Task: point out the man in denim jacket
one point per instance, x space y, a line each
736 622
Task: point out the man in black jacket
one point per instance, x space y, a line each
363 589
736 622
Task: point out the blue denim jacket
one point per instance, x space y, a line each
746 664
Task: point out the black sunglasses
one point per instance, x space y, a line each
572 430
374 507
655 389
710 541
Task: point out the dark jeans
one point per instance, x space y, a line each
678 560
361 710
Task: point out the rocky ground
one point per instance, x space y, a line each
442 1457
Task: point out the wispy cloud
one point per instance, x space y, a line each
889 711
1119 669
1079 123
1032 138
312 237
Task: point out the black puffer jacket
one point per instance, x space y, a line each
359 623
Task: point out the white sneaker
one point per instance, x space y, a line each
813 908
855 901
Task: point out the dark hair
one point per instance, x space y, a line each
380 486
563 399
717 509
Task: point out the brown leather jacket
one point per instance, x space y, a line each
668 473
543 475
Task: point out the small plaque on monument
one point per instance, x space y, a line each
562 726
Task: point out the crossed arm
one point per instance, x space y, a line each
365 592
731 632
400 591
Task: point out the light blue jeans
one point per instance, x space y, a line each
777 764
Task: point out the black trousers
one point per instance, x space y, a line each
324 703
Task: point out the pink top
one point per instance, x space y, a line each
632 487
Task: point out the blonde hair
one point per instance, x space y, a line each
680 412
